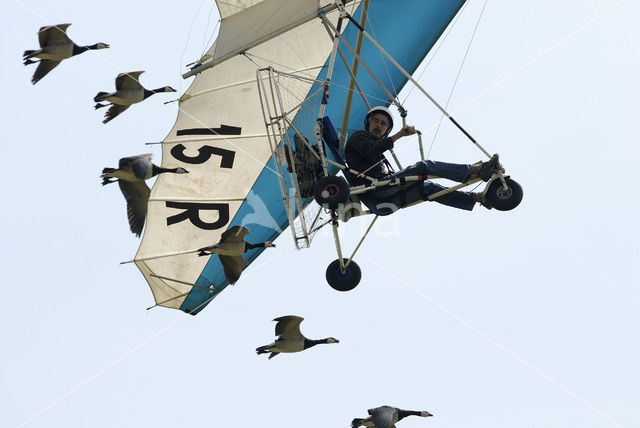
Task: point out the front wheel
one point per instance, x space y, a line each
504 198
331 191
343 281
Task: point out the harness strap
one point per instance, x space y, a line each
423 195
385 161
403 191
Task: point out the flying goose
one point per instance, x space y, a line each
55 46
131 175
128 91
230 248
386 417
289 337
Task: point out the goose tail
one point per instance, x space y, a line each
206 251
99 96
356 422
28 54
262 350
106 178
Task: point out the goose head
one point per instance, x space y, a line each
425 414
269 244
100 45
181 170
332 340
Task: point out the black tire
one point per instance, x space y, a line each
504 199
343 281
331 191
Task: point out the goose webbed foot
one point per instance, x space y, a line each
108 180
206 251
29 61
30 53
98 105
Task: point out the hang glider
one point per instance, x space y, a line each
255 107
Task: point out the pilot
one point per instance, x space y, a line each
364 153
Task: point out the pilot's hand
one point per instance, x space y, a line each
408 130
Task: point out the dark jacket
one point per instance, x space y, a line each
365 154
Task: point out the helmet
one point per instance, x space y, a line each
381 110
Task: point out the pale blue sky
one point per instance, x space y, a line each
485 319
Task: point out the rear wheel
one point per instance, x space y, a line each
504 198
331 191
343 281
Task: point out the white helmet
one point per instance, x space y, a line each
381 110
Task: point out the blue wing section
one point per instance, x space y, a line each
407 30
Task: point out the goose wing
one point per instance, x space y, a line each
126 161
136 193
288 327
232 266
44 67
140 165
128 80
114 111
384 416
53 35
234 234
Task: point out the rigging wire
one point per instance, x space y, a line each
464 58
384 62
435 53
282 86
285 88
247 55
186 44
268 61
309 76
205 43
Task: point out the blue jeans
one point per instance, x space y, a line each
386 201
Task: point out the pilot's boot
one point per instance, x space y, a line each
484 170
481 198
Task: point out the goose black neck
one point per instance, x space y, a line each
155 170
404 413
249 246
148 93
79 49
308 343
